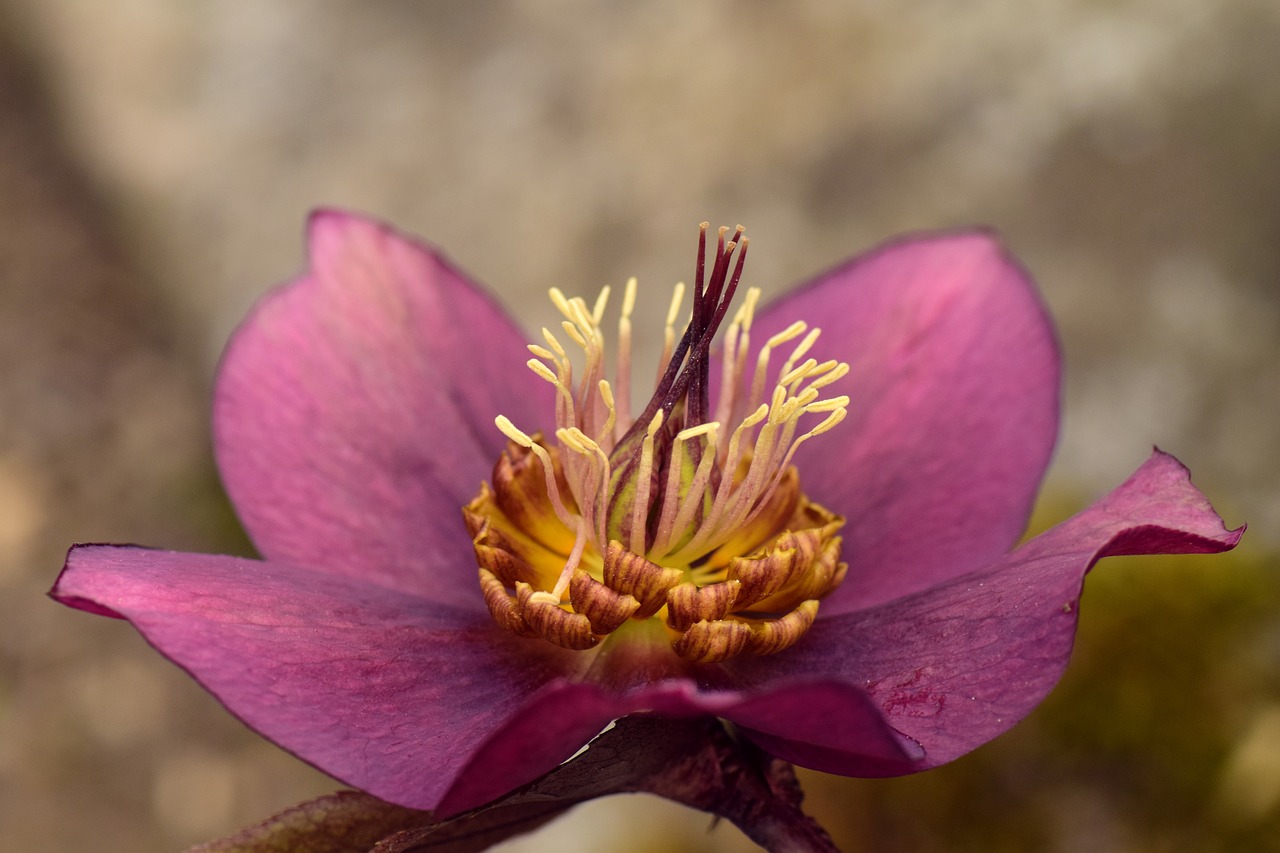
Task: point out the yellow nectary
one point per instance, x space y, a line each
653 516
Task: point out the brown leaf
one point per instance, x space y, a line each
345 822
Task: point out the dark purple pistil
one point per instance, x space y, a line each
687 374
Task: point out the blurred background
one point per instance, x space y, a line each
157 160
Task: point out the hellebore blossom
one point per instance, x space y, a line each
473 561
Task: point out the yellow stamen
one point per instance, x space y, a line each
674 499
602 300
575 557
623 376
669 331
640 506
737 343
606 395
727 516
762 361
553 491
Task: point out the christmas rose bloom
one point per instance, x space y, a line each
468 568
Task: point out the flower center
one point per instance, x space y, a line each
658 516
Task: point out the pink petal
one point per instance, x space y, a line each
421 705
564 716
550 729
954 387
384 691
354 410
955 666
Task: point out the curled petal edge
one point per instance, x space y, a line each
958 665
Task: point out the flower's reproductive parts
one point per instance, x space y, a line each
688 516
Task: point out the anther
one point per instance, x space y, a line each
652 515
602 300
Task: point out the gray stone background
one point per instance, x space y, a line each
158 157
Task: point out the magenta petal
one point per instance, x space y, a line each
555 724
806 722
354 410
953 410
550 729
386 692
957 665
564 716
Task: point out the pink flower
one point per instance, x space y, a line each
354 416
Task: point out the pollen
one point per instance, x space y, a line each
683 514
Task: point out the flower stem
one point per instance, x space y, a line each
732 779
777 823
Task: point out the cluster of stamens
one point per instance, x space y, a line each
658 516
